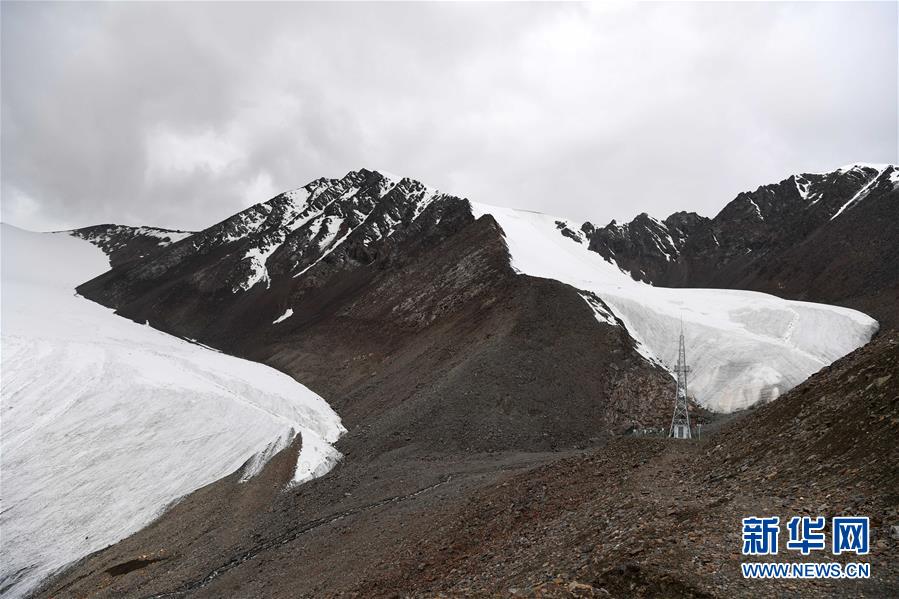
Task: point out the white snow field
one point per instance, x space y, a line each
744 347
106 422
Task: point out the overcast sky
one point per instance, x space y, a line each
178 115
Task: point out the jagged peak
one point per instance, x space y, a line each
313 220
361 178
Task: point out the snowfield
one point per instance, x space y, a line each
744 347
106 422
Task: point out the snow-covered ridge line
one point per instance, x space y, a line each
312 222
106 422
333 240
744 346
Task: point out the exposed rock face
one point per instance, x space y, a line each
819 237
326 226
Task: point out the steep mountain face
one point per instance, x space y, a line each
816 237
314 231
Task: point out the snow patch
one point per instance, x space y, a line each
317 458
802 186
599 310
258 271
758 210
172 236
287 314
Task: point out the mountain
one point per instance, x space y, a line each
339 254
816 237
107 422
404 313
484 362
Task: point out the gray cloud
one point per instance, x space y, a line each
179 114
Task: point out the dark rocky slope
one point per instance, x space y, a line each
661 518
831 238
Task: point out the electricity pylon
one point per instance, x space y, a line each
680 422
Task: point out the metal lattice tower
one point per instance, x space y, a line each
680 422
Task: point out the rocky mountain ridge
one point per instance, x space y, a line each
827 237
263 273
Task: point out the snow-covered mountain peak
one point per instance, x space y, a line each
302 227
116 235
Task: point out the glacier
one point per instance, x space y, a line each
744 347
106 421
